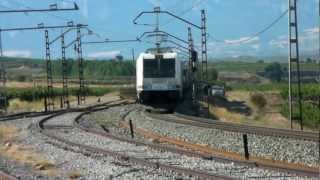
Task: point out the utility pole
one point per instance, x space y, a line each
192 65
1 51
294 60
81 96
204 59
64 99
3 93
134 65
65 91
49 99
82 90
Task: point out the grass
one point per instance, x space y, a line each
259 87
37 93
22 154
268 116
251 67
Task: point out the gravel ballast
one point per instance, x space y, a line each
188 133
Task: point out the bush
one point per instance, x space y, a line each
30 94
274 72
310 114
22 78
258 100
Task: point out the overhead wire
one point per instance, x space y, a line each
253 36
49 14
194 5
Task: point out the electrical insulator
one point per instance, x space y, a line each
194 58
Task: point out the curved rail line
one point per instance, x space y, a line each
5 176
39 114
231 156
143 162
233 127
199 152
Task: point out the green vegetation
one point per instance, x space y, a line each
258 100
310 110
310 114
21 69
32 94
274 72
260 87
309 91
252 67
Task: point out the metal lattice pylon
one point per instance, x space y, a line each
82 90
204 55
3 80
294 62
204 60
192 66
49 99
65 92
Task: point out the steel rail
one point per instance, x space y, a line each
297 169
5 176
43 113
303 171
238 128
120 156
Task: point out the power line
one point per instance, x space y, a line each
28 7
180 14
255 34
184 12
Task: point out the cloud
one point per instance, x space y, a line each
307 39
311 31
242 40
17 53
104 54
234 47
279 42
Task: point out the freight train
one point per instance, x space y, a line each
160 72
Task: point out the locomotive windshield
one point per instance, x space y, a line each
159 68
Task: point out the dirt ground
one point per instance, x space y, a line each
57 85
17 105
239 109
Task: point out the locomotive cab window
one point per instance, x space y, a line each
159 68
150 68
167 68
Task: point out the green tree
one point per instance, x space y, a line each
274 71
212 74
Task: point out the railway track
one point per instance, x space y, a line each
45 130
191 152
5 176
200 152
39 114
238 128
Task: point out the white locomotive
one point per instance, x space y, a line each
159 73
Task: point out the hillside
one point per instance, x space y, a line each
24 68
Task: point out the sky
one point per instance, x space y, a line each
228 22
